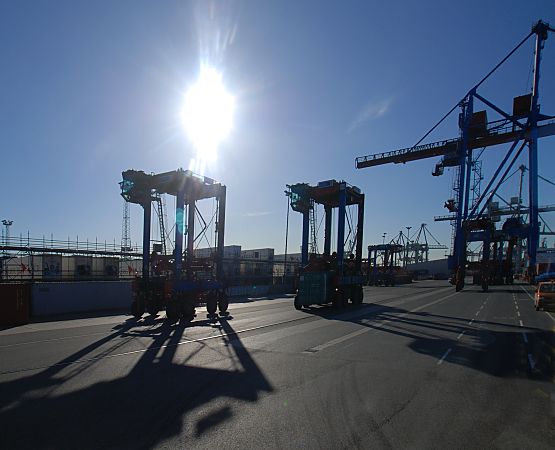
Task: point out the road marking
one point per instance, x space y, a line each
518 313
552 318
337 341
444 356
524 337
477 312
461 334
44 341
356 333
367 310
151 349
526 292
531 361
470 323
521 324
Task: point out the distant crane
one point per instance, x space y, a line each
522 128
417 249
126 229
420 246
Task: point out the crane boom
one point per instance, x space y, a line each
495 136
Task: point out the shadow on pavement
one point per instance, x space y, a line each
140 407
495 348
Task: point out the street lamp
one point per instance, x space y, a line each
288 195
383 238
7 223
407 250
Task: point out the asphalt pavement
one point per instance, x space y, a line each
415 366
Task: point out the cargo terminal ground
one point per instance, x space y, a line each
414 366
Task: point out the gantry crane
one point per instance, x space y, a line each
420 245
385 274
522 128
166 282
330 277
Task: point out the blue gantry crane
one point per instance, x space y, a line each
329 277
385 274
523 127
167 281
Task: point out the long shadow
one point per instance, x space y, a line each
136 406
414 285
491 347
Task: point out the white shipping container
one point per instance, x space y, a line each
22 268
103 267
230 251
68 267
83 266
131 268
51 266
264 254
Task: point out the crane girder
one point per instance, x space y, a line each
448 147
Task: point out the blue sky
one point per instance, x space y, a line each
89 89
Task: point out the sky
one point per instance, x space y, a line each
89 89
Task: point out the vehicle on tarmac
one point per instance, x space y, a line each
329 277
545 295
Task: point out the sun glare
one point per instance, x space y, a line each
208 113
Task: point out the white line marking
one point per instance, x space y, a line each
470 323
461 334
552 318
521 324
518 313
340 339
531 361
78 336
477 312
526 292
524 337
151 349
444 356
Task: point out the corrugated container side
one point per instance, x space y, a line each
15 301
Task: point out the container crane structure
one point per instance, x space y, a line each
385 274
170 281
330 277
418 249
522 128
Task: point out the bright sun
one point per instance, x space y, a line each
208 113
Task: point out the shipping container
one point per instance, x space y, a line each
82 266
130 268
230 252
105 267
22 268
51 266
15 301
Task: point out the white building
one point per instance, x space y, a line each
293 263
257 262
